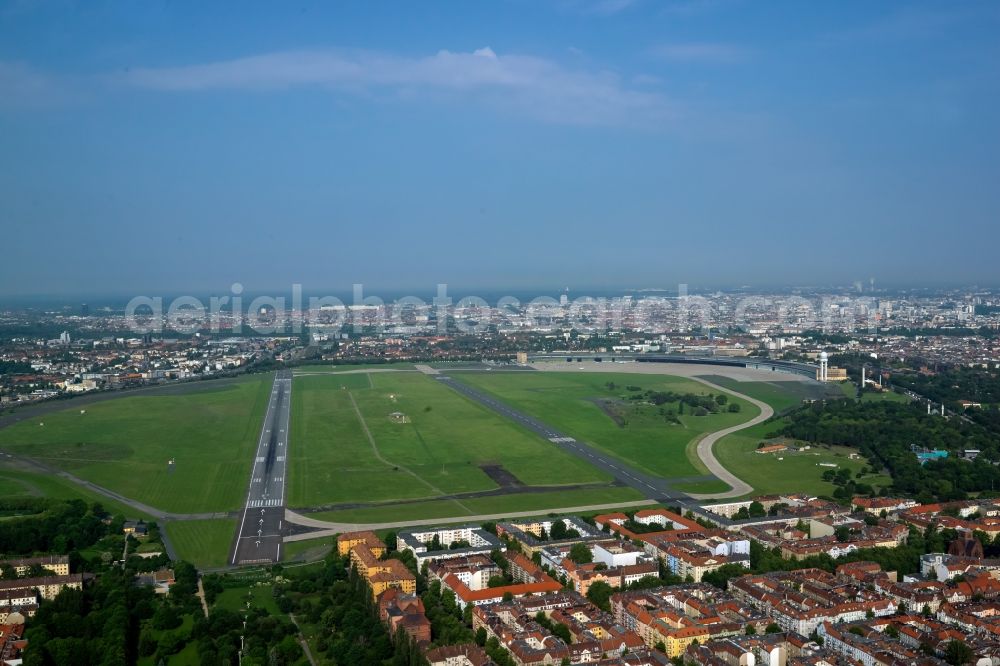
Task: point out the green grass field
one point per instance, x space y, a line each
346 367
442 438
567 401
781 395
306 551
889 396
237 598
541 502
188 655
849 389
203 543
124 444
15 482
785 472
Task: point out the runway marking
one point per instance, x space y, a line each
257 503
262 446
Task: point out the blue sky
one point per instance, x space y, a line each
171 146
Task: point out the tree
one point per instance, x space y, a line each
750 630
957 653
720 577
600 595
562 631
481 636
580 554
166 617
772 628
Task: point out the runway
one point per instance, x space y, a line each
259 538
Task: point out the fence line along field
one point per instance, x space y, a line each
209 430
640 418
362 438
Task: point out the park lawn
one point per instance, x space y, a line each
124 444
443 439
203 543
796 472
186 656
444 509
567 402
17 483
236 598
890 396
849 389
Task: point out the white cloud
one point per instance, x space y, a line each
608 7
23 85
704 52
528 85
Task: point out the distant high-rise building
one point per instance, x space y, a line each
64 338
84 310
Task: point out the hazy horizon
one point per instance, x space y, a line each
162 148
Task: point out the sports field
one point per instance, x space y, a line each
597 408
389 436
210 431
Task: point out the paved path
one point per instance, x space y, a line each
707 456
201 597
328 528
302 640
